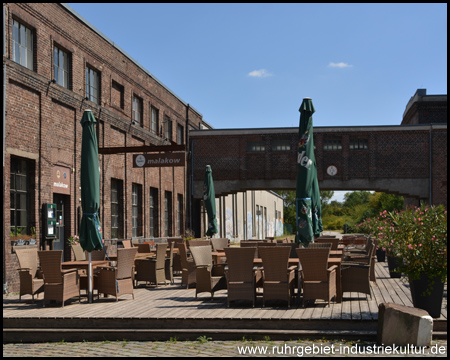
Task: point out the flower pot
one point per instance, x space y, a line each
393 263
381 255
431 302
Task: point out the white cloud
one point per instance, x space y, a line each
260 73
339 65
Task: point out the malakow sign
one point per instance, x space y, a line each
158 160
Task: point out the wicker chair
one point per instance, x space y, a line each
28 268
187 265
240 274
326 245
176 256
126 244
169 264
355 275
293 246
198 242
206 278
363 256
152 270
278 278
59 285
96 255
78 253
318 280
333 241
220 243
144 248
117 280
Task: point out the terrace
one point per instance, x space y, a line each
171 311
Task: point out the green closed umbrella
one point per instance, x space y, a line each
209 196
90 230
307 193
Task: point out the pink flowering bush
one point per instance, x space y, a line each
74 240
383 229
421 238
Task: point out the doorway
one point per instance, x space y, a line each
62 224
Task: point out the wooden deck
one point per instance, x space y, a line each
172 311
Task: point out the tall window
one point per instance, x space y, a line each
167 128
154 212
136 210
137 110
116 209
61 67
180 133
168 213
154 120
117 95
22 45
20 198
92 85
179 215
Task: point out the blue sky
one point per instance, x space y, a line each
250 65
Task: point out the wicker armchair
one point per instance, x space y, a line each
169 264
363 256
326 245
333 241
318 280
176 267
152 270
187 266
78 253
59 285
199 242
240 274
28 267
220 243
278 278
143 248
127 244
117 280
96 255
206 278
355 275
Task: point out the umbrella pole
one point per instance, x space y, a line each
90 279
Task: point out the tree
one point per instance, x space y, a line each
352 199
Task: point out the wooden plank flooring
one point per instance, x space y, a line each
174 302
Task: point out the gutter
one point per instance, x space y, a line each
5 284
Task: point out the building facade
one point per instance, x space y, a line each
55 66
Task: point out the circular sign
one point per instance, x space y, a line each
140 160
332 170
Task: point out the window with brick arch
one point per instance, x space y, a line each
136 210
179 215
20 196
154 121
154 212
22 45
168 213
117 228
61 67
92 85
137 111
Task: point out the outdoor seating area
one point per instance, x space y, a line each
176 307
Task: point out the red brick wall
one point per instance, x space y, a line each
43 119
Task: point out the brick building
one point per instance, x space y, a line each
55 66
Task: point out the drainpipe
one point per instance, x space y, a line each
5 284
191 195
431 166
